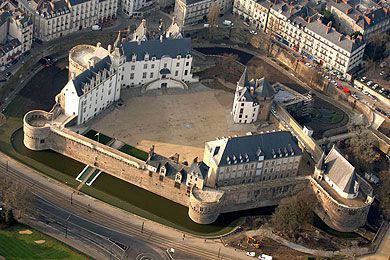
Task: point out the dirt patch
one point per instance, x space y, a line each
179 123
25 232
264 245
2 119
40 242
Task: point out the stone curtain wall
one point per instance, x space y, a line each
261 194
336 215
115 163
308 141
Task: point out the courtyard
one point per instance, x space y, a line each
173 123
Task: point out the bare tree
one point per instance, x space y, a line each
212 17
16 196
294 212
362 148
384 193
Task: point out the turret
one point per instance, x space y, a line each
319 168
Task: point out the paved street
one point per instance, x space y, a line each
108 221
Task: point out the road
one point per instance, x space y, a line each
100 220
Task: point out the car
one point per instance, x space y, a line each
8 74
369 83
375 86
245 23
365 92
381 90
382 73
206 25
355 96
327 77
265 257
253 32
97 27
251 254
336 84
14 61
363 79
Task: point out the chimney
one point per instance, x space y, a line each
161 38
309 19
109 48
329 24
348 11
328 29
143 22
252 91
368 20
195 159
340 37
173 19
99 44
73 75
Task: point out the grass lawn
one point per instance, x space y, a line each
18 246
337 118
103 139
137 153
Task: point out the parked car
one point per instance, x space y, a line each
96 27
265 257
206 25
363 79
14 61
8 74
251 254
227 23
381 90
369 83
355 96
253 32
374 86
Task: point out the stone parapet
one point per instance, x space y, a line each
205 205
337 215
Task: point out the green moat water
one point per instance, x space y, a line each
148 204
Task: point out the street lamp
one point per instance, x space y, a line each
66 227
71 197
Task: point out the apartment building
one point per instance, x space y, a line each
194 11
15 33
252 158
53 19
366 17
300 27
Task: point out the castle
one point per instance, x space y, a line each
236 173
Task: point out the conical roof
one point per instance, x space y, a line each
264 88
320 163
244 80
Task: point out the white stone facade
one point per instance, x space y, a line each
300 30
58 18
193 11
98 74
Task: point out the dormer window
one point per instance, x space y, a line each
178 57
188 56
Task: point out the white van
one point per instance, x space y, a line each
96 27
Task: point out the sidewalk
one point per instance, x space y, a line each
171 235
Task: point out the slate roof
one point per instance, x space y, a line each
340 171
8 46
4 17
165 71
157 48
171 167
244 80
191 2
200 169
333 36
250 146
86 75
77 2
264 89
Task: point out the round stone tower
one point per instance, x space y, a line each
205 205
36 128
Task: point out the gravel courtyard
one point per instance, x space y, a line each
180 122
